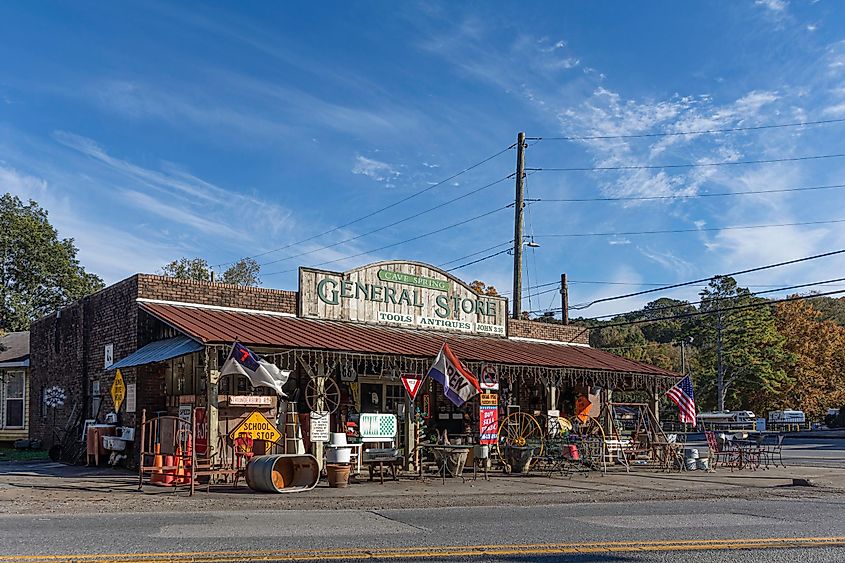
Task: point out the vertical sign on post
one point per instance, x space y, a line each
131 391
118 391
488 418
201 439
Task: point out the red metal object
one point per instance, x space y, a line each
214 326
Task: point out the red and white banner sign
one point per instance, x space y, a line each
488 422
412 384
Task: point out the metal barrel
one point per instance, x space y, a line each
282 473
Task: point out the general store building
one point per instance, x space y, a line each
364 329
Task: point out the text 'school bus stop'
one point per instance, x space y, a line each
360 331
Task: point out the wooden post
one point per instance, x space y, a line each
212 373
564 299
519 208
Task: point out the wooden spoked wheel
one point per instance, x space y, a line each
322 394
591 440
520 437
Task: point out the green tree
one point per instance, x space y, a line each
40 272
188 269
743 356
244 272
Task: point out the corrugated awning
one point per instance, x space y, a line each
220 326
159 351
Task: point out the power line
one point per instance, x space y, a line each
682 133
434 232
393 224
691 196
693 282
479 260
686 165
690 303
696 230
385 208
766 303
482 251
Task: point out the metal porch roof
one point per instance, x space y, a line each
217 326
159 351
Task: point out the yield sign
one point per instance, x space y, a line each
412 385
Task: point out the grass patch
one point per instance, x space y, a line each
11 454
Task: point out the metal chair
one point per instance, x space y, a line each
773 451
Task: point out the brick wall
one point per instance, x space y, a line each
548 331
213 293
67 350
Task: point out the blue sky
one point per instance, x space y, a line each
152 131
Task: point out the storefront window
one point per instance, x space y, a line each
394 396
14 394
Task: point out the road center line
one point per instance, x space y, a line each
425 552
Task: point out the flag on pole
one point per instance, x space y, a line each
261 373
459 385
682 395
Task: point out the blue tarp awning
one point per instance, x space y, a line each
159 351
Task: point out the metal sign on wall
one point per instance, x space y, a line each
401 294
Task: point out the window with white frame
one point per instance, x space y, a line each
13 399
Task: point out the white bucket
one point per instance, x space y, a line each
338 455
703 463
691 464
690 453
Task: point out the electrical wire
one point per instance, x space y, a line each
702 280
691 196
482 251
381 209
393 224
682 133
479 260
428 234
686 303
696 230
684 165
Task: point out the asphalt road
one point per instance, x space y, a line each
718 530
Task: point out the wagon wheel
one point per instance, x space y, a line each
519 430
591 440
322 394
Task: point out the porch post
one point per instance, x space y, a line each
212 374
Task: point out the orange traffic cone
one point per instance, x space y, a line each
168 475
180 468
156 477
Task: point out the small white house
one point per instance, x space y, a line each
14 386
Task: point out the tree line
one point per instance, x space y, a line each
743 352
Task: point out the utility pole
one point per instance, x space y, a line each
720 366
564 299
519 208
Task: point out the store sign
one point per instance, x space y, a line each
405 294
376 426
488 424
489 400
319 431
257 427
250 401
118 391
185 412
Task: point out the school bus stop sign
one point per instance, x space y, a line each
258 428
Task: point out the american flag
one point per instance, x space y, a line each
682 395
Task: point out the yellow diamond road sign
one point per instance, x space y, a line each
118 391
258 428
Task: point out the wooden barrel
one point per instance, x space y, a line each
282 473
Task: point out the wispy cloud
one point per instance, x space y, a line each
375 169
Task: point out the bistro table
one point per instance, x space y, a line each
451 458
